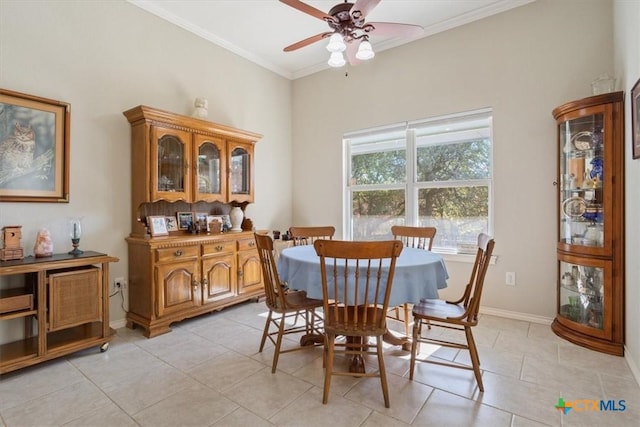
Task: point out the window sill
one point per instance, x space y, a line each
464 258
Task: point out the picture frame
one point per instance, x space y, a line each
34 148
201 220
157 225
172 223
185 219
635 120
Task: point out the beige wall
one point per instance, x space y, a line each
106 57
627 69
522 63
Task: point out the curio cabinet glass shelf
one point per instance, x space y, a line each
590 304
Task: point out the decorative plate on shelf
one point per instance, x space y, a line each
582 140
574 207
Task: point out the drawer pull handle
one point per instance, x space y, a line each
219 248
178 253
252 243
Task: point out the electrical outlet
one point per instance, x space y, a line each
119 284
510 278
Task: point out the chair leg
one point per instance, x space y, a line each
276 351
265 333
406 320
328 371
475 360
383 372
417 325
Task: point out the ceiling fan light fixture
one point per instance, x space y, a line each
336 43
365 51
336 60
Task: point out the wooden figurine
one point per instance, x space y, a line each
12 249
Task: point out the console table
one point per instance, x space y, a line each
65 297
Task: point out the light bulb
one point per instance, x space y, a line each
336 60
365 51
336 43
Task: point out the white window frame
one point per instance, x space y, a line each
411 186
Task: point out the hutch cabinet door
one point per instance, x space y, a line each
219 277
170 165
218 271
240 172
178 287
249 267
586 176
585 303
211 169
75 297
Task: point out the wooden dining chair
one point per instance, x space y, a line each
285 306
356 285
461 315
307 235
412 237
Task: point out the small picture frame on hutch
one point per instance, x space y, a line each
185 219
34 148
635 119
158 226
172 223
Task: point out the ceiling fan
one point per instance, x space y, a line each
350 31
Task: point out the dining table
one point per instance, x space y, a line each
419 274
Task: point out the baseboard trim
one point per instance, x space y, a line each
632 366
516 315
117 324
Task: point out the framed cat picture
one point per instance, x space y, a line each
34 148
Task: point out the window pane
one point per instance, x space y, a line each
382 167
459 214
374 212
454 162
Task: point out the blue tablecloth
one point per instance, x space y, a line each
419 274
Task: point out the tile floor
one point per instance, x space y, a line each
207 372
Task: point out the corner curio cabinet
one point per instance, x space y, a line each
184 165
590 304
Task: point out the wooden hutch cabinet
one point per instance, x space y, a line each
185 164
590 310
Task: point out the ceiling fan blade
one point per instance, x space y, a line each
351 50
361 8
309 10
395 29
307 41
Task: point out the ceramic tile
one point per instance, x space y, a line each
446 409
497 361
405 397
107 416
205 407
308 410
207 372
242 418
21 386
569 380
265 393
528 400
225 370
537 347
570 354
59 407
